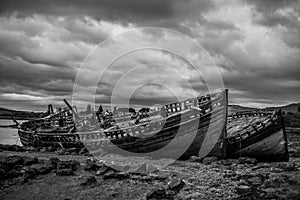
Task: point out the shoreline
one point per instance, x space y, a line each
103 178
87 178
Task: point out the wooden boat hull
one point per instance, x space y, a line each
181 141
184 135
267 143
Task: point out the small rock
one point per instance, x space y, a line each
89 181
159 193
246 160
61 152
64 172
43 149
54 161
287 166
195 159
2 174
209 160
176 184
260 167
91 165
276 170
29 148
241 189
18 167
255 181
51 149
228 162
103 169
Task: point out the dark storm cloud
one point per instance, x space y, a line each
255 45
284 13
21 75
167 13
116 10
271 5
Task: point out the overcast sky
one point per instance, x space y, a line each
254 44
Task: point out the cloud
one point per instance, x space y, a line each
255 45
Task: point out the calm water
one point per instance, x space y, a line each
9 135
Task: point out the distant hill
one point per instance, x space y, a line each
287 108
238 108
9 113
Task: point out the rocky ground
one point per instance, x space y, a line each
74 174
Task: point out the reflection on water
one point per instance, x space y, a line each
9 135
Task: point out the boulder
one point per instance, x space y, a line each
30 160
11 161
4 147
29 173
16 148
64 172
44 169
13 174
71 164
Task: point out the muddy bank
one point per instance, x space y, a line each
51 176
56 173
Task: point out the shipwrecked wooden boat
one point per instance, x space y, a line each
195 126
259 134
178 130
